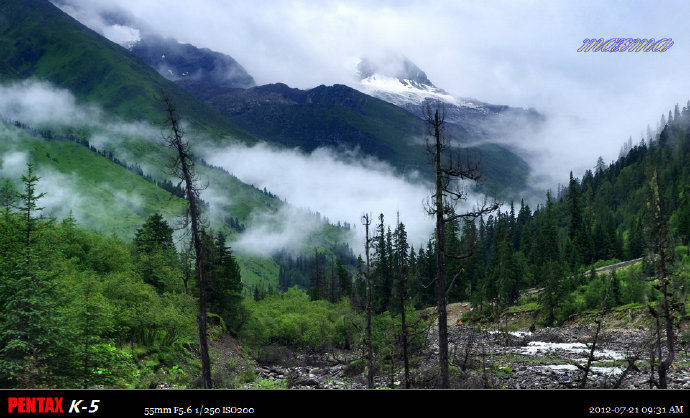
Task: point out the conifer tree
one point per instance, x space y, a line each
29 332
156 252
366 221
400 261
224 282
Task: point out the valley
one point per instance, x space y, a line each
306 235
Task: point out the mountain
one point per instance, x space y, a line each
346 119
187 64
39 40
385 126
396 79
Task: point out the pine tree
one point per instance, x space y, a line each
549 271
577 231
400 261
504 269
29 331
383 271
156 254
344 280
366 221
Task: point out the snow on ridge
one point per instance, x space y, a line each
400 92
408 89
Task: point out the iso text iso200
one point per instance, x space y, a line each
229 410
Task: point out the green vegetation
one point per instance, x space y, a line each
292 319
82 309
94 69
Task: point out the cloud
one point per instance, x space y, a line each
38 104
340 187
13 164
288 229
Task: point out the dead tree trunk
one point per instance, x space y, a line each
183 168
658 237
447 192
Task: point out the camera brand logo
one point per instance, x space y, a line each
626 44
37 405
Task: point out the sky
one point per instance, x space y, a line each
517 53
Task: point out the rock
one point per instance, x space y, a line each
308 382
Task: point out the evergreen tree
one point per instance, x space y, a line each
383 271
30 343
400 262
548 268
224 283
577 231
157 257
504 269
344 280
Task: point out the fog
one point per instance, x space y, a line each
288 230
341 188
40 105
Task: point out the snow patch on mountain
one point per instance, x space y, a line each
397 80
406 91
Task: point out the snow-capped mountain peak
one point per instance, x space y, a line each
398 80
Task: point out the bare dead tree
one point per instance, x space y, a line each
658 236
366 221
448 192
631 358
182 167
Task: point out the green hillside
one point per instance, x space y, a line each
105 196
110 198
39 40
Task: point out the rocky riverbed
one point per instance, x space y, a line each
548 358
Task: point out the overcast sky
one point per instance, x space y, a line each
519 53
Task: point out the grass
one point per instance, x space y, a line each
100 194
525 307
270 384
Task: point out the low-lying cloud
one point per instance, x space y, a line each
340 188
287 230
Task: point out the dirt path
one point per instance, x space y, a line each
453 310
